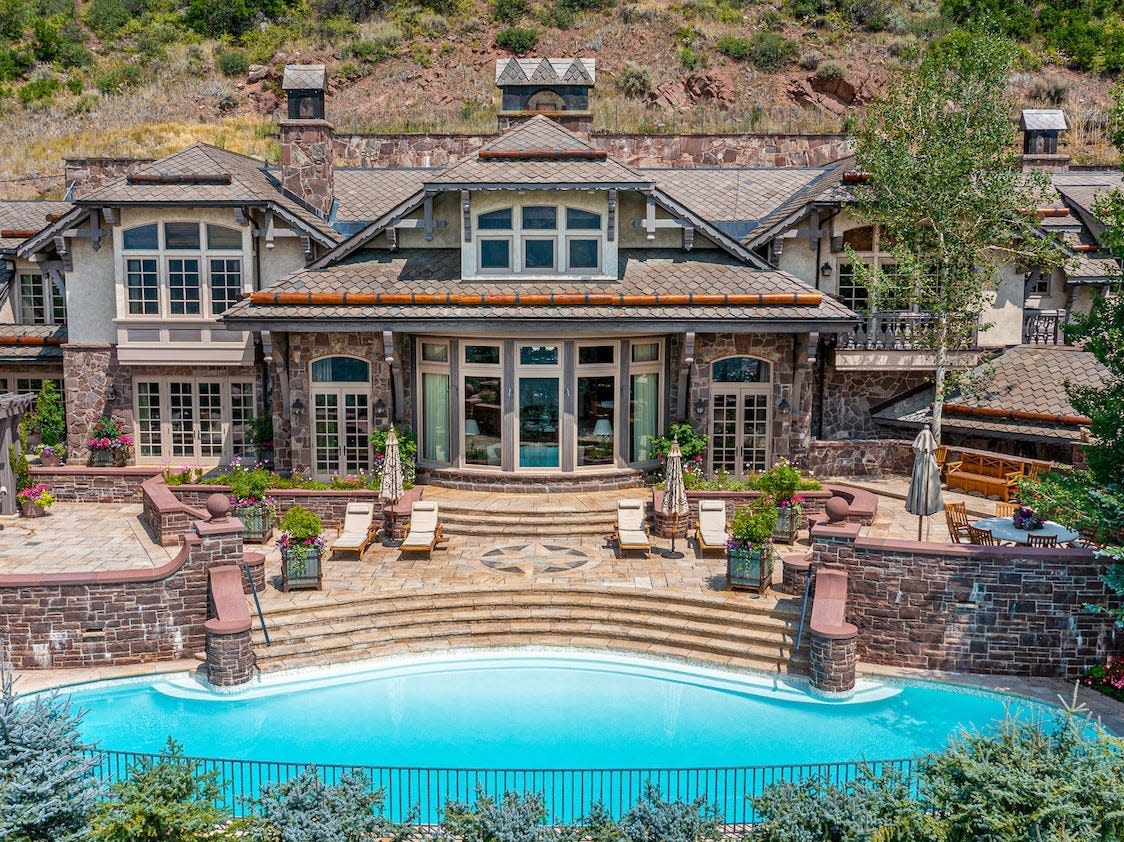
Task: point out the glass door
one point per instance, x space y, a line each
739 432
341 431
539 372
326 433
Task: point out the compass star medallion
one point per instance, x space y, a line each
534 558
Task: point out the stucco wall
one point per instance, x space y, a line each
91 294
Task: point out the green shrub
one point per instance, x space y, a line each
767 51
229 17
830 69
652 818
118 77
753 525
301 524
14 63
232 63
169 799
50 416
13 18
107 17
249 485
38 90
407 442
558 16
691 443
771 19
635 80
517 40
508 11
691 58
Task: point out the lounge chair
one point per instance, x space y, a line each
630 533
357 531
711 533
424 531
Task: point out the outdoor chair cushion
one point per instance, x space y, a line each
358 524
633 538
712 523
423 516
630 515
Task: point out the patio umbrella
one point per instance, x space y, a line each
390 489
924 497
674 489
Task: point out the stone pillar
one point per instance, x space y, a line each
230 656
795 570
256 563
833 663
308 162
87 371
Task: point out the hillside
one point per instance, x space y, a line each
146 77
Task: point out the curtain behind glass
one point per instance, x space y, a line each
644 412
435 416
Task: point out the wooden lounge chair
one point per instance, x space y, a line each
956 516
630 532
711 532
1042 540
1006 509
357 531
424 531
982 537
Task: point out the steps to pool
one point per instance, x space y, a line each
497 514
750 634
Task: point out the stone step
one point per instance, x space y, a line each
526 530
457 620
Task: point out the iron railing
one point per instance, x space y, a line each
1043 327
420 794
896 330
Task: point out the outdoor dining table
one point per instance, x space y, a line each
1004 529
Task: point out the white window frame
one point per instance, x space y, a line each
226 408
656 367
468 369
546 371
517 236
423 367
612 370
163 257
46 288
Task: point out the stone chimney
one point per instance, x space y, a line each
307 154
1041 127
555 87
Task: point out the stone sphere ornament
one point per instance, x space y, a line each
218 505
837 509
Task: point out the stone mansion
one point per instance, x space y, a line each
536 303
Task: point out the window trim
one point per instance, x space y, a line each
46 288
560 235
226 409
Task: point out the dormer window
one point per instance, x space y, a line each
544 239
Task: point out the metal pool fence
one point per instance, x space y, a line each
420 794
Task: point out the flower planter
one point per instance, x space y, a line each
300 568
258 521
788 524
50 460
30 509
101 458
750 570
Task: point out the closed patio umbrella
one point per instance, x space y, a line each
924 497
674 489
390 489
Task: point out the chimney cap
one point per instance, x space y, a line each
305 77
546 71
1043 120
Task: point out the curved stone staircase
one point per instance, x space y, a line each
503 515
724 630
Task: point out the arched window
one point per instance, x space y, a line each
340 370
739 370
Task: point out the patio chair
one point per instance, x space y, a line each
424 531
956 516
711 532
1006 509
1042 540
630 532
357 531
1089 537
981 537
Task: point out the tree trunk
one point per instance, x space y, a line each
938 377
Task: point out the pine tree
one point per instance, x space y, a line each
47 786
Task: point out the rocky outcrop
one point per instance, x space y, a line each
692 90
834 94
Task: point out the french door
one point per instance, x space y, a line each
739 431
341 430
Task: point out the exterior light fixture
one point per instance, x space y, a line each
783 405
700 407
297 406
825 270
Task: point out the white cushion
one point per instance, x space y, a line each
353 540
414 538
634 538
423 516
714 539
357 518
630 515
712 517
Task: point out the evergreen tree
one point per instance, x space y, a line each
47 786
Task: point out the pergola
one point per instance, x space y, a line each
12 408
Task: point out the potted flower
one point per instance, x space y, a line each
749 554
250 504
50 455
301 547
108 443
1028 519
780 483
35 500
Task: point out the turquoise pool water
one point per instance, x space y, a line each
536 711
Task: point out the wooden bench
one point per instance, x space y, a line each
987 474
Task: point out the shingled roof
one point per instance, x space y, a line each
367 194
669 285
32 344
22 219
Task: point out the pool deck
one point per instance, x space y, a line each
102 537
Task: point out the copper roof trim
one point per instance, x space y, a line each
1017 415
1048 213
31 340
17 233
179 178
536 299
542 154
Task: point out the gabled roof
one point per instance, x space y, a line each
546 71
1043 119
206 175
367 194
826 188
21 220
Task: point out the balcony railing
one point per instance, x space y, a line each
894 330
1043 327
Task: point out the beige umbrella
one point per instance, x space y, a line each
674 489
924 496
391 487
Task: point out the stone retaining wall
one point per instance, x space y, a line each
859 458
63 620
79 484
1011 610
864 506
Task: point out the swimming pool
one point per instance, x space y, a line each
535 711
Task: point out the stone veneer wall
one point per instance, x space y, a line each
848 395
302 349
695 150
832 663
64 620
308 162
1011 610
79 484
859 458
88 174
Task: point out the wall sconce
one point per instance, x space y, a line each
700 407
110 394
380 408
297 406
825 270
783 405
